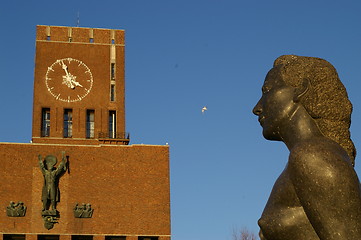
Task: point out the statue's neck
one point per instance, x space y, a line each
300 127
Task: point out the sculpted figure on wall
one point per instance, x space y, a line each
83 211
318 194
16 209
50 193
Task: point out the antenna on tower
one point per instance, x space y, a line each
78 20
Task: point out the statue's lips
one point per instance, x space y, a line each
261 120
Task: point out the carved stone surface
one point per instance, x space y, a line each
83 211
318 195
16 209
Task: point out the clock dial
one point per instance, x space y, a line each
69 80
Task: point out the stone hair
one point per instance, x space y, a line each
326 99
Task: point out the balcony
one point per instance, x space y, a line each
121 138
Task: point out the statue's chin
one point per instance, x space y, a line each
271 136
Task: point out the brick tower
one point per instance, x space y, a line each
79 179
79 86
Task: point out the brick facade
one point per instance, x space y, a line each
127 186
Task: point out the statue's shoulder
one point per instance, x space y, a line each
317 156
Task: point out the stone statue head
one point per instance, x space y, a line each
320 92
50 161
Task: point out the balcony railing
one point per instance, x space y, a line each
114 136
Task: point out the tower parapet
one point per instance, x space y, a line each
79 35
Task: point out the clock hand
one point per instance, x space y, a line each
68 77
65 68
76 83
72 79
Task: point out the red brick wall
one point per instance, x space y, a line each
128 187
96 56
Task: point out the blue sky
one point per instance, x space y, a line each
181 56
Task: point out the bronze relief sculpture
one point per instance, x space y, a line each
83 210
50 192
318 194
16 209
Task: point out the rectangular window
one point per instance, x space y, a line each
45 122
112 92
112 71
48 237
91 40
68 123
81 237
14 237
89 123
112 124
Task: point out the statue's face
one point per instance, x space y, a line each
276 106
49 166
50 162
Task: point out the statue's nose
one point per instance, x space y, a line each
257 110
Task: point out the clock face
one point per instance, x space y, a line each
69 80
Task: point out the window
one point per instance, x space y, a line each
45 122
91 40
112 124
81 237
112 92
48 237
14 237
89 123
113 41
112 71
47 38
115 238
68 123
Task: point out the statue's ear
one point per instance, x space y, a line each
301 90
